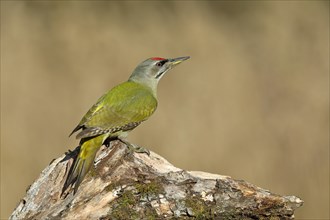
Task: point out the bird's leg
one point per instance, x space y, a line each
134 147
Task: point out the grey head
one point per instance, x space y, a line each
150 71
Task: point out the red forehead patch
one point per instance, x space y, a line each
157 58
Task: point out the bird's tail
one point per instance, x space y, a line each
83 162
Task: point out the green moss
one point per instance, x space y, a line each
112 186
127 198
109 187
123 209
152 188
125 205
116 184
150 213
92 172
200 210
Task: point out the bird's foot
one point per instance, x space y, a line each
138 149
135 148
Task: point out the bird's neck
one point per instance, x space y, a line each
149 84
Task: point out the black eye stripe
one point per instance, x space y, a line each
161 63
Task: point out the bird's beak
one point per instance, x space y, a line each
175 61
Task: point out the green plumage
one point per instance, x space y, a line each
117 112
121 109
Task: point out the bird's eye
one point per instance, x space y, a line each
161 63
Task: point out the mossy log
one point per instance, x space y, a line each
125 185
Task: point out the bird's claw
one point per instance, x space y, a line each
138 149
135 148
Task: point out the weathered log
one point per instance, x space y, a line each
125 185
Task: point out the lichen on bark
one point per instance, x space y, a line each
126 185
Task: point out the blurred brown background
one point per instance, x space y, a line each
251 103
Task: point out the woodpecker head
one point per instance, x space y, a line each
150 71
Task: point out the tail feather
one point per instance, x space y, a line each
82 162
77 172
80 173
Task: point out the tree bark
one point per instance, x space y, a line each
126 185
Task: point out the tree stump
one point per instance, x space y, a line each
126 185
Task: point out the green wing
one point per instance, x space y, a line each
121 109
